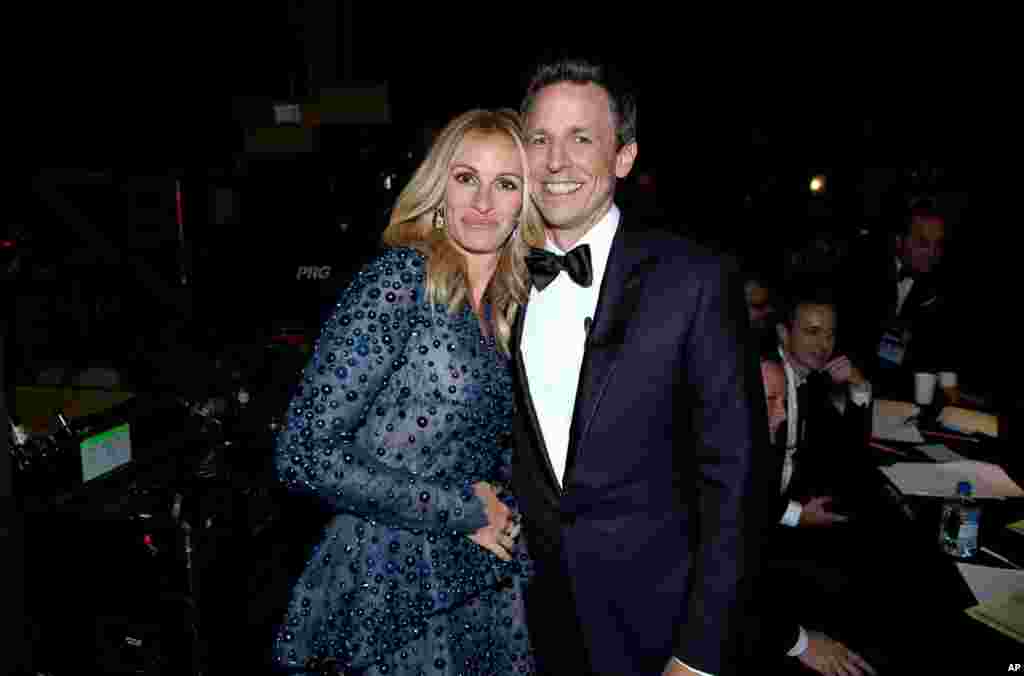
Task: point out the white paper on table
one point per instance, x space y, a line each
891 408
940 453
888 422
989 583
968 421
940 480
1004 613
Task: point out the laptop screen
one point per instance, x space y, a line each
105 451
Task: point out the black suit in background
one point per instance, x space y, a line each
830 460
869 309
648 550
831 457
859 582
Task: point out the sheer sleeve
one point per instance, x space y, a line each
324 451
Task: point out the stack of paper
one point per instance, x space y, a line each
889 421
1005 615
988 583
969 422
940 480
940 453
1000 596
890 408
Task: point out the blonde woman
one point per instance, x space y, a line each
400 429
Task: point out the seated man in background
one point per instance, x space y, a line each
903 306
813 511
760 302
827 400
814 649
761 294
852 573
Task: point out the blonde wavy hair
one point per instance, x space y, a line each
411 225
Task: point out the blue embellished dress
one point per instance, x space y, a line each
401 408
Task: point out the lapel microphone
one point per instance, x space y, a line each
587 323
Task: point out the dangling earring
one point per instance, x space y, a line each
512 234
439 223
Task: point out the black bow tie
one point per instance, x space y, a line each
544 266
818 380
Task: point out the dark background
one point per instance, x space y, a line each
114 107
110 109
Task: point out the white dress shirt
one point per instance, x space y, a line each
794 509
553 340
793 381
795 378
903 286
860 395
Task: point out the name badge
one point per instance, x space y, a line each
892 349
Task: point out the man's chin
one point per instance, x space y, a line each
922 268
558 217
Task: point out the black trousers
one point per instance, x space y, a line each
553 623
870 583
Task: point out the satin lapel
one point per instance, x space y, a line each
893 284
922 295
537 445
620 294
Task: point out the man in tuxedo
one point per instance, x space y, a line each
760 304
639 410
822 559
904 325
814 649
827 405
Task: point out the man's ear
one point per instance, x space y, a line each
625 158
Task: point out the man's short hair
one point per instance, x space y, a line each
918 209
582 70
806 292
757 272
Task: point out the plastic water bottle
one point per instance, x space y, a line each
958 534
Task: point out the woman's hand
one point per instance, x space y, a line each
502 529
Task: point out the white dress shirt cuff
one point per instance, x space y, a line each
860 395
792 516
801 644
696 671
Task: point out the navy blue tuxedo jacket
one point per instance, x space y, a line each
654 529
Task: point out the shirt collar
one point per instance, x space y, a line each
799 373
792 410
600 239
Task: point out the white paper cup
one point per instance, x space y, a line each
924 388
947 379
